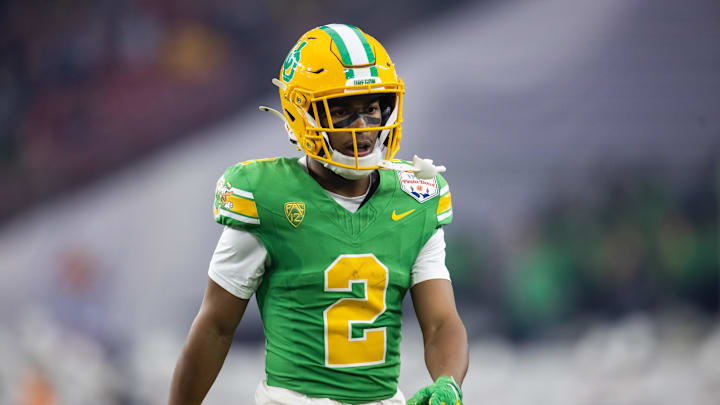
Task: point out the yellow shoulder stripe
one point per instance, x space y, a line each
444 203
243 206
247 162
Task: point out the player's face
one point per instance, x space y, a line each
354 112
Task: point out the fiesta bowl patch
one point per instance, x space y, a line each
419 189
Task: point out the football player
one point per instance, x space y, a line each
330 243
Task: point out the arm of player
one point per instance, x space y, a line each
207 345
444 336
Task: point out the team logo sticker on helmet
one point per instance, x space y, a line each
291 62
419 189
295 212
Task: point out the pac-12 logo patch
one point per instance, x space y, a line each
295 212
419 189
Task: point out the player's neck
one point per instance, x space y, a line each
335 183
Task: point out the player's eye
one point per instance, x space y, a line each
339 113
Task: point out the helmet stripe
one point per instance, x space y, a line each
351 73
351 43
339 43
365 44
361 73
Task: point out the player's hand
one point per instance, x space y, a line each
444 391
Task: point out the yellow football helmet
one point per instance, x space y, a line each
329 62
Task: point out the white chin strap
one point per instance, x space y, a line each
373 159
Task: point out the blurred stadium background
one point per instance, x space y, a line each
582 140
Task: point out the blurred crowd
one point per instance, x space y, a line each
87 86
635 239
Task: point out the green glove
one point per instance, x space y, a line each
444 391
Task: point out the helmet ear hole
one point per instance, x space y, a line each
292 117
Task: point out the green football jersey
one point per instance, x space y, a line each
332 292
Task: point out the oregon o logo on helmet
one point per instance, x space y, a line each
291 62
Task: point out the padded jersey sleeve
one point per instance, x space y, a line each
234 201
430 262
238 263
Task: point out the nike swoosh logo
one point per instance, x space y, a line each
397 217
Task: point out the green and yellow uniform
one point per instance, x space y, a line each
331 296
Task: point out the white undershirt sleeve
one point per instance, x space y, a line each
238 263
430 262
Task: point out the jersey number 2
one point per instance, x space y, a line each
341 348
